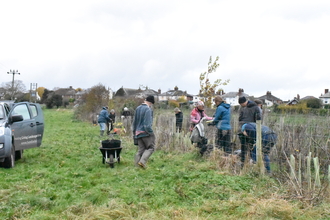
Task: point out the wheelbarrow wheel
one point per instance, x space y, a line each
111 161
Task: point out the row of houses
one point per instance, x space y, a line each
231 97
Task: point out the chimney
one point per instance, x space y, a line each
326 91
268 93
159 91
240 91
298 97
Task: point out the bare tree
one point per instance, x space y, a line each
95 98
10 91
207 89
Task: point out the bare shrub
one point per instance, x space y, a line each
301 156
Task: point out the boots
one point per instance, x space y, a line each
137 159
101 133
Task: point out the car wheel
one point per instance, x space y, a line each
10 161
18 154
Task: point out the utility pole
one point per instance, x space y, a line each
33 92
12 85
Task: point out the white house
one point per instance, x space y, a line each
325 98
232 97
269 99
174 94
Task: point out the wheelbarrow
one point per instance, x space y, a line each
110 150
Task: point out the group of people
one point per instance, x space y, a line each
249 113
141 126
106 120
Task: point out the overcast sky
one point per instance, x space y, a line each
280 46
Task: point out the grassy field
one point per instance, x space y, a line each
65 179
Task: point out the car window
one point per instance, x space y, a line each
2 113
34 110
7 109
22 110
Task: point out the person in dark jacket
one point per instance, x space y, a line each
142 130
112 117
268 140
103 119
249 113
222 121
178 119
259 104
126 113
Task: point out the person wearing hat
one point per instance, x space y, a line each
222 121
178 119
259 103
197 114
103 119
112 117
268 140
249 112
126 113
142 130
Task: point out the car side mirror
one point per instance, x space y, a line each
15 118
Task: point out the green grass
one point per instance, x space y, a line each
65 179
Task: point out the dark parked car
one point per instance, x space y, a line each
21 127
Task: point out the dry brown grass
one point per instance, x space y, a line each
119 210
229 164
270 209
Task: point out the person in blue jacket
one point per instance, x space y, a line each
268 137
142 130
103 119
222 121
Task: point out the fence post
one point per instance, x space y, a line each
329 174
317 171
260 162
299 170
293 167
308 171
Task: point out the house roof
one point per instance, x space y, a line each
292 102
308 97
269 97
129 92
65 91
175 93
147 92
326 95
234 94
135 92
